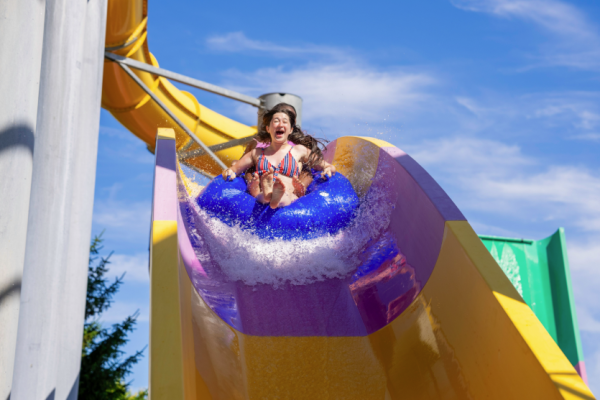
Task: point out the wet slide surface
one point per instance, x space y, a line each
351 284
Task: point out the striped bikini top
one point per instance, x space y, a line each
288 166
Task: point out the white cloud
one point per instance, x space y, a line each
465 154
487 229
584 261
494 176
585 256
236 42
341 91
593 370
559 189
553 15
135 267
576 41
579 109
594 137
336 86
121 219
559 115
586 321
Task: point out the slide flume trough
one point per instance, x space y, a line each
422 312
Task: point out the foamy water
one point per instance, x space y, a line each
243 256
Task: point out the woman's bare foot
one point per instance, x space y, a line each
278 192
254 186
266 181
299 189
248 178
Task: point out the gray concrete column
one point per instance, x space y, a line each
73 289
47 250
270 100
21 35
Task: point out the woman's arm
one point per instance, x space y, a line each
239 166
250 146
328 169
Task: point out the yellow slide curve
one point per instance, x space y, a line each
126 35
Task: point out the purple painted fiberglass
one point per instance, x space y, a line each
393 266
164 206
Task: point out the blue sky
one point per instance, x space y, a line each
498 99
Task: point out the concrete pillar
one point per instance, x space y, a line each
53 211
21 35
270 100
82 176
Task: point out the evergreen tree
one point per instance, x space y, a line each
103 369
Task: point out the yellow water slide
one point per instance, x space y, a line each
430 316
127 35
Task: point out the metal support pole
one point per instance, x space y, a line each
21 36
270 100
216 147
209 87
52 221
172 115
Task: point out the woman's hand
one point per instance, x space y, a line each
329 171
228 174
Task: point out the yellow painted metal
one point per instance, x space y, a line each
376 142
127 28
166 133
194 385
166 364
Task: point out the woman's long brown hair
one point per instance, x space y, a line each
297 136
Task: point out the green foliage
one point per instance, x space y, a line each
103 369
141 395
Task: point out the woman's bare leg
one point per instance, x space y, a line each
278 193
261 198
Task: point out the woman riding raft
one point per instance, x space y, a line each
279 165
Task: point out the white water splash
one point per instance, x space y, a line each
243 256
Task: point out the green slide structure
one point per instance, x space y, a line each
539 270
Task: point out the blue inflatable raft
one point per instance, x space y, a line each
328 206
